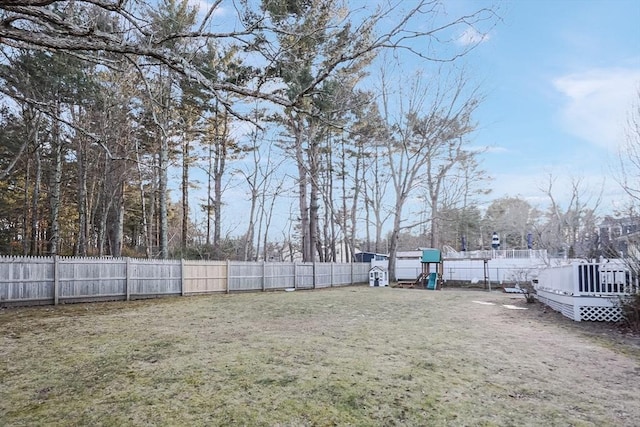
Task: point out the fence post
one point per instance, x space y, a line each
181 276
127 285
264 274
331 284
295 275
576 310
228 270
56 280
352 281
314 272
575 279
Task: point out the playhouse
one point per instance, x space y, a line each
378 277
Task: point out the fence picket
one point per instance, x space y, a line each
55 280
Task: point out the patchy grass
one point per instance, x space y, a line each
350 356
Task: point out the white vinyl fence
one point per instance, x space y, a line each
506 267
52 280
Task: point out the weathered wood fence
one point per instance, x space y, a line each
54 280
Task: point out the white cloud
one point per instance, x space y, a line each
471 36
524 185
203 7
597 104
492 149
597 189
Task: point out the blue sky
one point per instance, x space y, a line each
560 78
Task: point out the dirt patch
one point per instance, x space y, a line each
609 334
359 356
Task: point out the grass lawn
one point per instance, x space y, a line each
349 356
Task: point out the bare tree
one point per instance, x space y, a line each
376 178
570 226
264 184
627 170
112 32
512 218
426 142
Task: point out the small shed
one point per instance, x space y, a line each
370 256
378 276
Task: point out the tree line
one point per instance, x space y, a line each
103 101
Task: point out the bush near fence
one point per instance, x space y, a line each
53 280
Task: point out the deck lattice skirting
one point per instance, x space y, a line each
587 292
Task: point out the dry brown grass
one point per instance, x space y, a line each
350 356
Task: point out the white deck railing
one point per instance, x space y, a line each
583 291
593 279
558 279
497 254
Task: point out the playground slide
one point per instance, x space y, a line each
432 281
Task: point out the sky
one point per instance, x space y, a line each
560 79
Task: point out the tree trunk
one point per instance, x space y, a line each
25 209
154 238
435 223
116 221
146 235
209 181
261 222
105 207
305 227
185 192
393 249
93 209
314 244
35 198
163 197
249 236
219 170
267 225
343 174
55 189
217 205
81 242
358 186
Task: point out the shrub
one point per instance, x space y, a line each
529 294
630 310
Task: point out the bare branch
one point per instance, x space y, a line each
4 173
34 24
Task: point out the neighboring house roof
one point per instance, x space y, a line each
629 237
409 254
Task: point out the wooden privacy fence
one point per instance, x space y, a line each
52 280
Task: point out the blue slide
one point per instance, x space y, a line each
432 281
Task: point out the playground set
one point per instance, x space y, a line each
427 279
